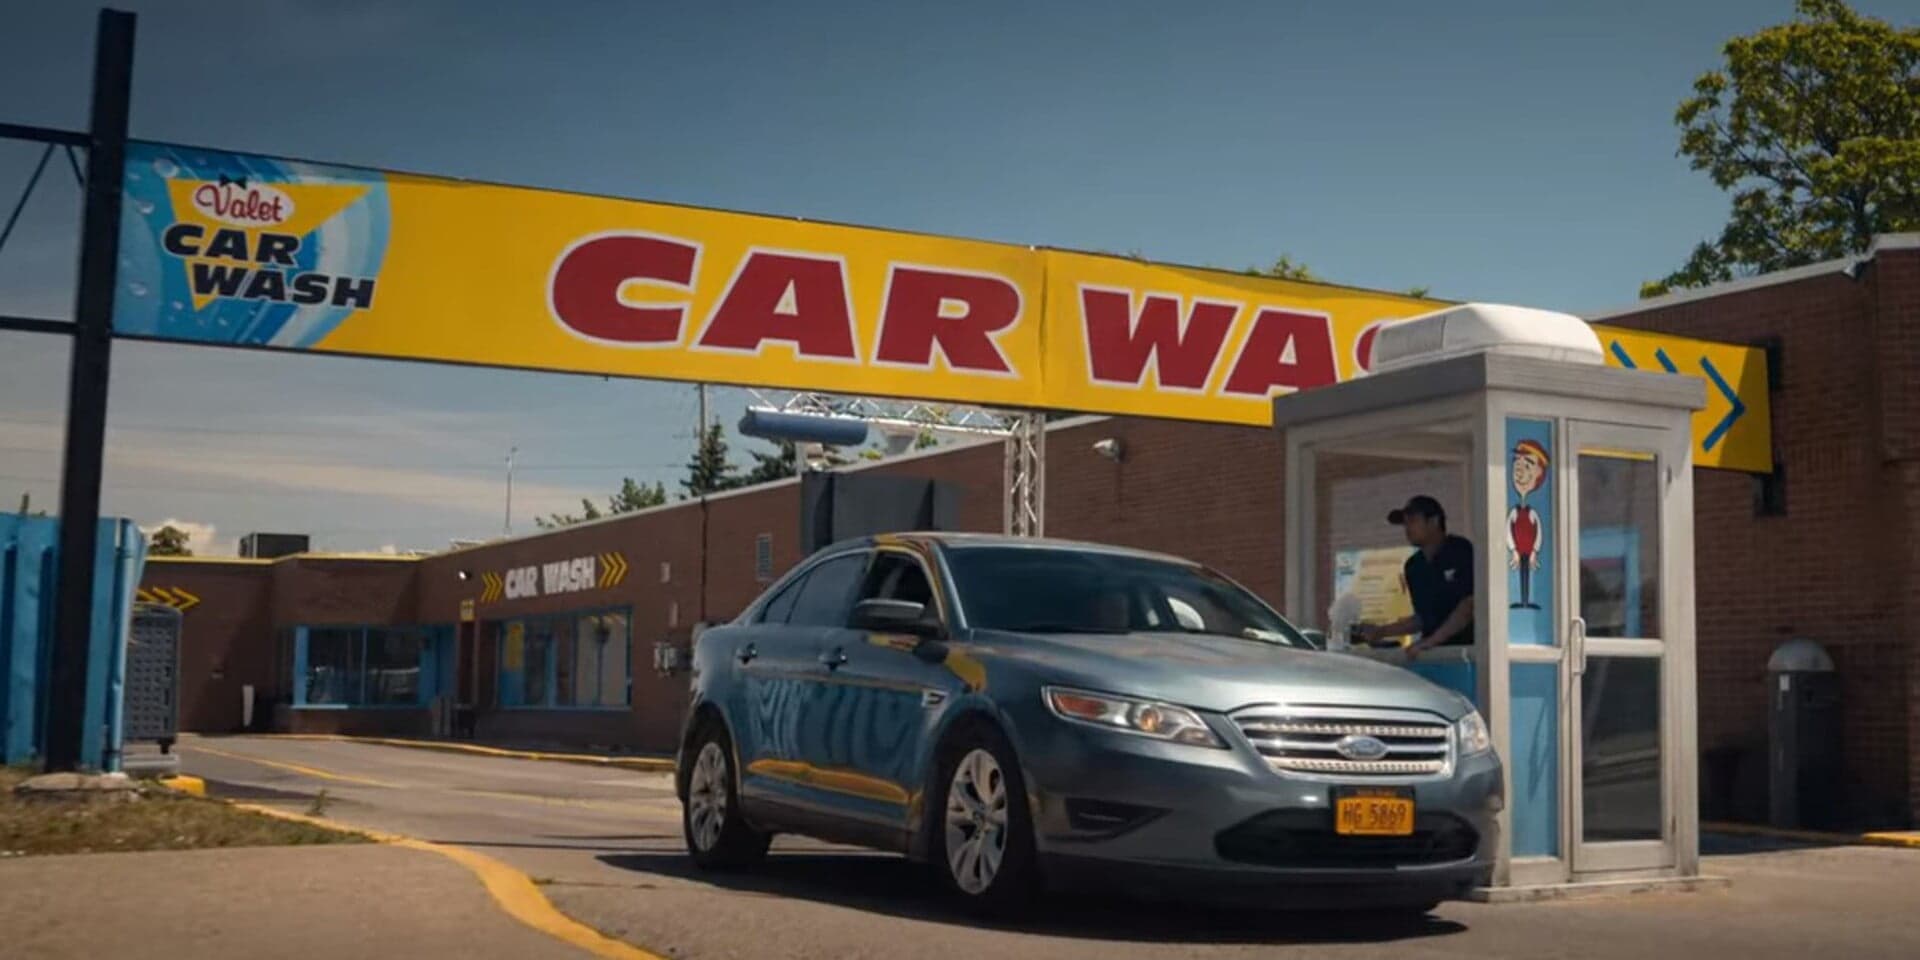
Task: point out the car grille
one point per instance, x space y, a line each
1307 741
1304 839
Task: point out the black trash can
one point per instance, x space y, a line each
1804 765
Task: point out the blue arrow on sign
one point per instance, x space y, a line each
1738 409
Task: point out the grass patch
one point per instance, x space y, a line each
158 819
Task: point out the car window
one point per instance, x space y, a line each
826 598
1061 590
777 609
896 576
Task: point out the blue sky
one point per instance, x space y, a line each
1507 151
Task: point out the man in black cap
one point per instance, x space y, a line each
1439 581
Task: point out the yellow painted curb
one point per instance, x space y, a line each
1907 840
643 764
514 891
193 786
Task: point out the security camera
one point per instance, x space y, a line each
1110 448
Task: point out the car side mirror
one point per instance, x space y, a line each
895 616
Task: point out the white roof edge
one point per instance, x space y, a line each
1881 242
1067 423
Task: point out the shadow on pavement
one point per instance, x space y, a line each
897 887
248 793
600 846
1733 845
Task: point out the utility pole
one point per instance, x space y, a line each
700 434
510 452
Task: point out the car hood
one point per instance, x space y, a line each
1220 674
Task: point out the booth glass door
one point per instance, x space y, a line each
1620 735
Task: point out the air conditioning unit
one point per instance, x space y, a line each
1485 328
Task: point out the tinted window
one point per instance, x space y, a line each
897 576
826 598
781 605
1046 590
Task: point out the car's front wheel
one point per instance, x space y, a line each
717 836
984 839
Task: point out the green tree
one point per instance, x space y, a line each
632 496
636 496
708 470
169 541
1814 126
554 521
1285 268
925 439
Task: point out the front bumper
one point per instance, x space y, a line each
1112 808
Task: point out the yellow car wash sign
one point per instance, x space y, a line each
250 251
575 575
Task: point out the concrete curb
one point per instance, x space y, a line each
513 891
642 764
192 786
1909 840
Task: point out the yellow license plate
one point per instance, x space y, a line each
1373 816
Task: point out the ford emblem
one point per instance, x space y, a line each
1359 747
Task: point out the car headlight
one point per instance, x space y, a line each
1471 733
1147 718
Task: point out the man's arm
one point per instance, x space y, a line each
1456 621
1398 628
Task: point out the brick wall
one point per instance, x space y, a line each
1837 567
226 640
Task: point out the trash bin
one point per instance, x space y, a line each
1804 746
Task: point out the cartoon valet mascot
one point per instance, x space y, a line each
1526 535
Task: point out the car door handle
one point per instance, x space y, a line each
834 658
748 653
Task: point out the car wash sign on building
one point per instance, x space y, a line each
554 578
241 250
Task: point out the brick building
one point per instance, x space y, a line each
1825 548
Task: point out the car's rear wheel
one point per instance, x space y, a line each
718 837
984 838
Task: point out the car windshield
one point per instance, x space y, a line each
1060 590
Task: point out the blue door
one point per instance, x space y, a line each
779 670
879 703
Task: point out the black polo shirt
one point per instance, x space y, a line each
1438 585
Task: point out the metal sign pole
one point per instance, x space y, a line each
87 389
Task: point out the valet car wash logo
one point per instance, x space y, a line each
247 250
243 241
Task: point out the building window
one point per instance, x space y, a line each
763 558
394 656
362 666
566 661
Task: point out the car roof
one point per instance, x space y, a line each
952 540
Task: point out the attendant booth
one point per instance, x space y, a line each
1574 482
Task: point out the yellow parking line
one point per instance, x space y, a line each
514 891
304 771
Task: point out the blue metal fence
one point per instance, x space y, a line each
29 563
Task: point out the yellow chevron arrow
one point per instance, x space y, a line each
613 569
143 595
187 601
